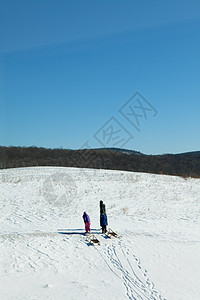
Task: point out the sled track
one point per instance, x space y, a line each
116 255
127 267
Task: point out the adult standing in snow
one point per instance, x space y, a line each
87 222
103 222
103 211
102 208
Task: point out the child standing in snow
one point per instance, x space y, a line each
86 220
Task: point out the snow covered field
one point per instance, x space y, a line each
44 253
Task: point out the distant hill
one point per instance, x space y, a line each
126 151
189 153
183 164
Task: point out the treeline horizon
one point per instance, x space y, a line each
184 164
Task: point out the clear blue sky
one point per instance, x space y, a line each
68 69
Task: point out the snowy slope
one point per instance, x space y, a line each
44 253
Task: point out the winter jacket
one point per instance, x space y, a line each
103 220
86 218
102 209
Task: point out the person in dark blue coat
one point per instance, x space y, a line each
103 222
103 210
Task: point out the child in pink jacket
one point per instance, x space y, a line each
87 222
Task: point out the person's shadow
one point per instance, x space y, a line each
76 231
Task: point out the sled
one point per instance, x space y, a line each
92 239
111 233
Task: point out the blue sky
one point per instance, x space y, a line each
101 74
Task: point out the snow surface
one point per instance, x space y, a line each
44 253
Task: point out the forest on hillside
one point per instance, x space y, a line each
185 164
